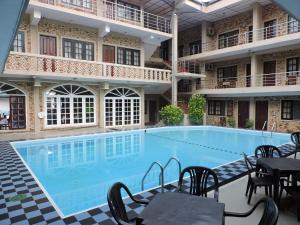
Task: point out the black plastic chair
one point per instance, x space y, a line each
270 213
201 179
117 206
293 190
260 180
295 137
267 151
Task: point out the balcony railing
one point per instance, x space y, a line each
189 67
42 65
277 30
261 80
116 12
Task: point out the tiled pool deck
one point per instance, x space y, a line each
15 179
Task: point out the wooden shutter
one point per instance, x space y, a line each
47 45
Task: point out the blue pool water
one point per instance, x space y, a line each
76 172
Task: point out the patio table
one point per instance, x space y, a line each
279 166
171 208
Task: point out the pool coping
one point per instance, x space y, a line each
64 220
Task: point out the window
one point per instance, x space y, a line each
128 56
248 75
122 107
229 39
128 11
216 108
292 68
290 109
19 42
70 105
293 25
250 34
195 47
229 108
80 3
227 74
78 49
270 29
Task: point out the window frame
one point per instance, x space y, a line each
16 47
57 98
226 35
73 52
293 25
291 110
123 53
212 108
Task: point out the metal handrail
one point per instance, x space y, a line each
273 126
162 181
167 164
262 129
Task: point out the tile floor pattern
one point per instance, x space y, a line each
36 208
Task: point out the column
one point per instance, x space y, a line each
142 119
252 109
101 106
257 22
36 105
255 70
204 37
174 57
34 40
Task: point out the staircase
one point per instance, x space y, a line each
168 95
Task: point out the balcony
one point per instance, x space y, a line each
254 85
114 12
272 37
49 67
189 69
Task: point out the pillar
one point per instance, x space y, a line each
257 21
36 105
174 57
142 94
34 40
255 70
101 107
252 109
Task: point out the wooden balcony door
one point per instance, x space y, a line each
152 112
269 77
261 114
243 113
48 45
108 54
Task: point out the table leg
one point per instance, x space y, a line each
276 178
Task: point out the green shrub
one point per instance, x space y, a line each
196 109
231 121
249 124
171 115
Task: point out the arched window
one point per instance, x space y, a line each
12 107
70 105
122 107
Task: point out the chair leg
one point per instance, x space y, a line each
295 156
255 189
266 191
251 192
247 189
270 191
298 210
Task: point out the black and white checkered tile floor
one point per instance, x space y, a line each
35 208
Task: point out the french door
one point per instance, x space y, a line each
269 77
17 118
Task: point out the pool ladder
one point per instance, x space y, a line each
274 125
162 171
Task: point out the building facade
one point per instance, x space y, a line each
98 63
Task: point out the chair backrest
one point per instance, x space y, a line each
249 165
295 137
115 202
270 213
202 180
267 151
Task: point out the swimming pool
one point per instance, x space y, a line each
76 172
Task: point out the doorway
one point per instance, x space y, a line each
152 112
269 77
243 113
261 115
